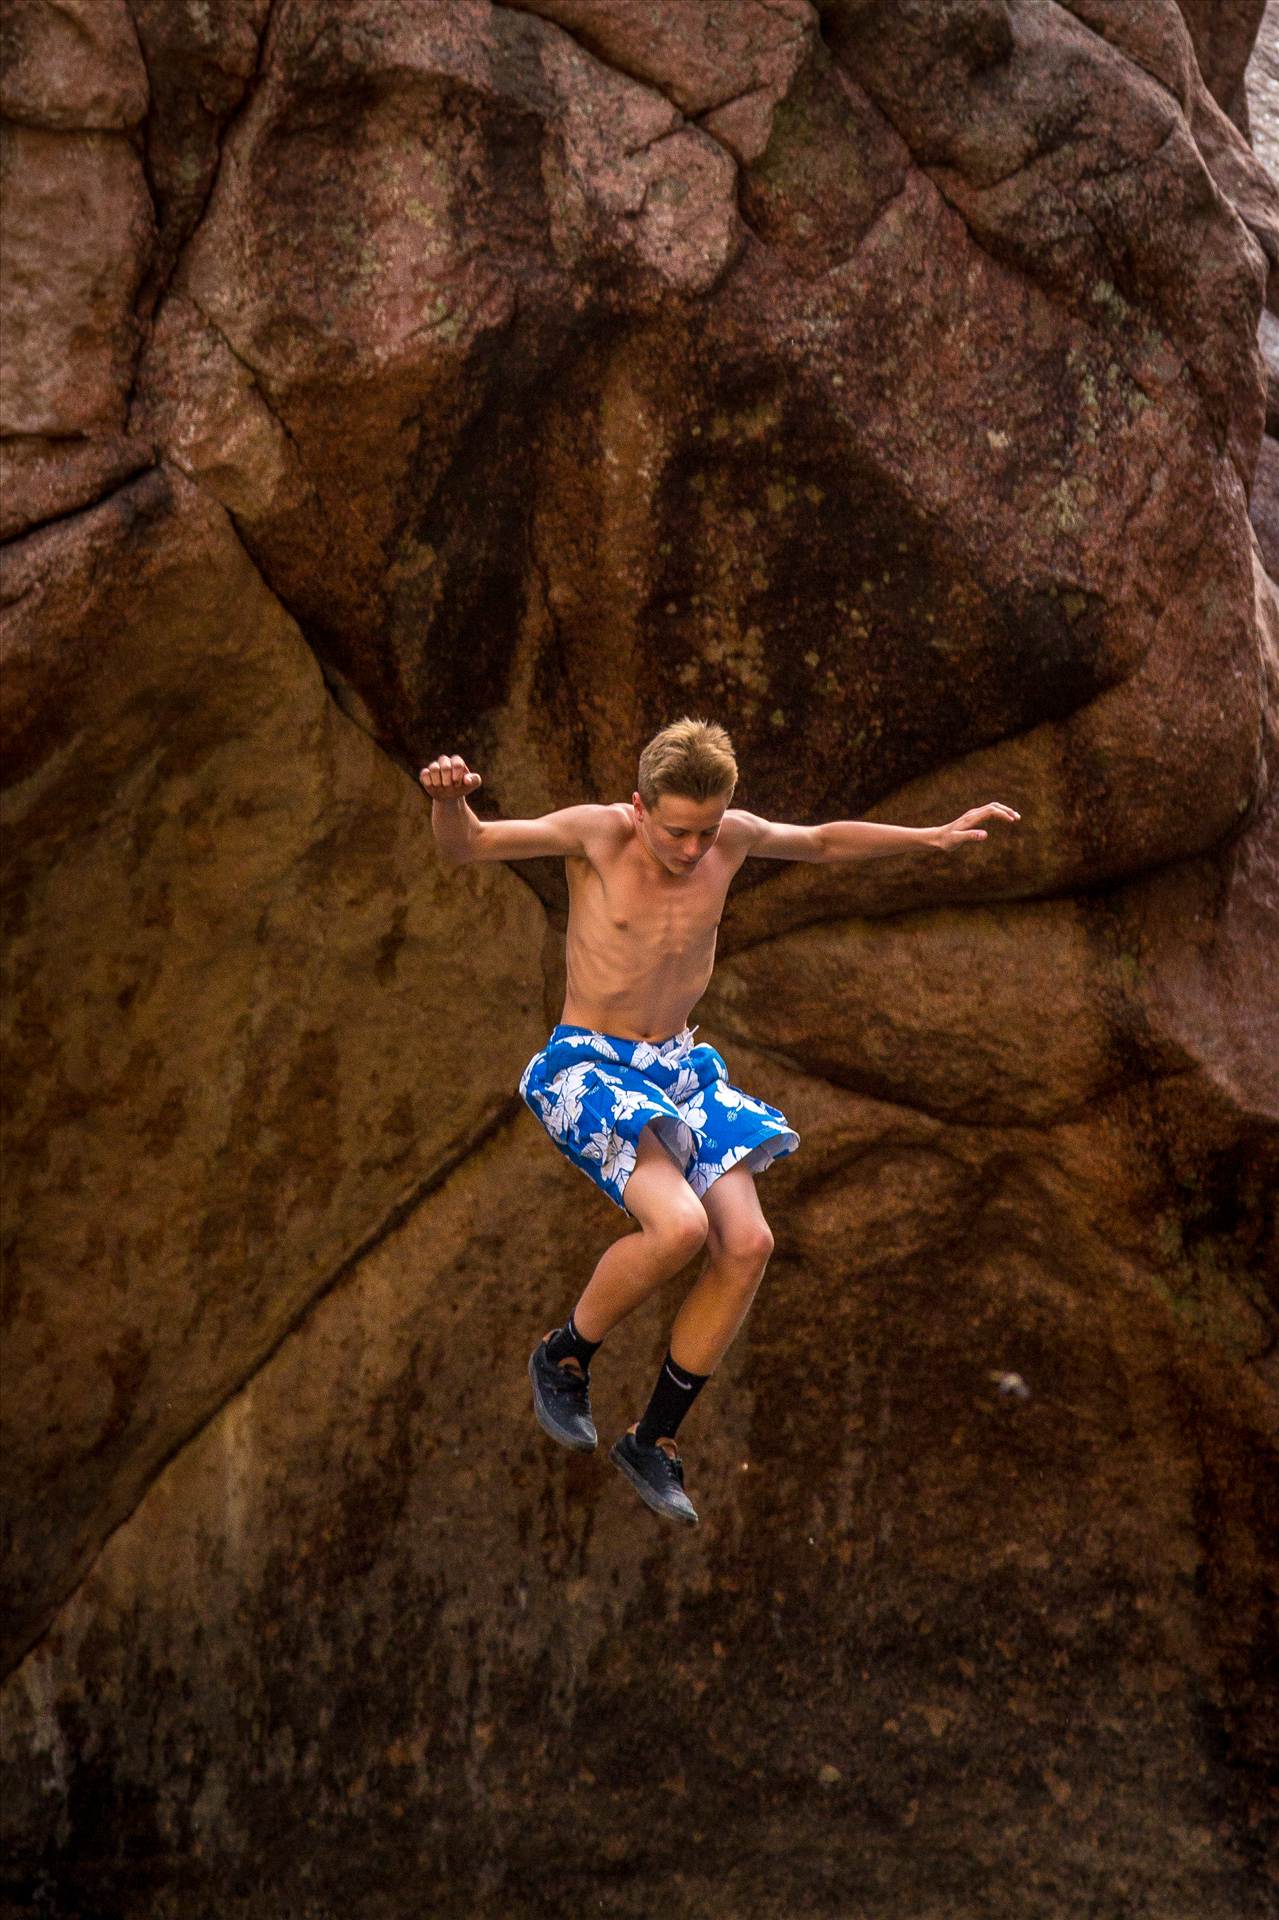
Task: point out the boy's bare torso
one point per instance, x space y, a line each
640 947
647 884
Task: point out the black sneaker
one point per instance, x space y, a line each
657 1477
562 1401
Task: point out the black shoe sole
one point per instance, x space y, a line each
646 1493
544 1419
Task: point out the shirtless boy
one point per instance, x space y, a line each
620 1087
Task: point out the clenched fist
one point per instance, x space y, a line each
448 778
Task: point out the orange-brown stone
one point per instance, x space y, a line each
882 380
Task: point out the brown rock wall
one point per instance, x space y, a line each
1223 32
204 860
884 381
75 66
1077 430
202 57
978 1599
702 58
77 230
1264 504
995 1016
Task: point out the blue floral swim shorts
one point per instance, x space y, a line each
596 1092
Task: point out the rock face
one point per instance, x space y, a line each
883 381
1265 491
1223 38
203 856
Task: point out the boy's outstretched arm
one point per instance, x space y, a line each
864 839
462 837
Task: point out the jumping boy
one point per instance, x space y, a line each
620 1087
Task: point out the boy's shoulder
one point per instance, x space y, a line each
614 818
606 825
739 828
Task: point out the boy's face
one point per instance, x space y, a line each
679 832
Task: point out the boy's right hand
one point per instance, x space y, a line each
448 778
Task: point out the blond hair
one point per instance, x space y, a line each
692 758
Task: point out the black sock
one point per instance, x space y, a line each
673 1395
566 1343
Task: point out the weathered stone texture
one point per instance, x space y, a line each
1223 32
76 65
77 228
882 379
204 859
910 1596
1264 500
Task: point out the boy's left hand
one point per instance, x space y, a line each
969 827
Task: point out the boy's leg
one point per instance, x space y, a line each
738 1243
673 1225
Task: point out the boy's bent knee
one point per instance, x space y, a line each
757 1244
742 1242
682 1224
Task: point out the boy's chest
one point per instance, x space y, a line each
627 907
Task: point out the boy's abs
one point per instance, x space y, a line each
639 956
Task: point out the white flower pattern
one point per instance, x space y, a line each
685 1086
595 1093
629 1100
597 1042
616 1157
566 1108
733 1098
